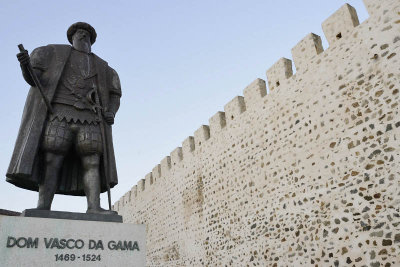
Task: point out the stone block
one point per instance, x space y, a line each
188 146
156 172
234 108
134 192
340 24
279 72
372 6
201 135
308 47
59 242
176 156
126 197
165 165
141 186
148 180
254 92
217 122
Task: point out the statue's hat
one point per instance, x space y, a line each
81 25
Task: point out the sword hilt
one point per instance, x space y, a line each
21 48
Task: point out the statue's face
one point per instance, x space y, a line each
81 38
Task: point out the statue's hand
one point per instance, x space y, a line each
23 57
109 117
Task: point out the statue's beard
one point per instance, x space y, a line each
81 45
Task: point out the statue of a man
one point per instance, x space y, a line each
62 151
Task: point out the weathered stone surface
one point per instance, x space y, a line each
306 50
340 24
297 177
279 72
55 242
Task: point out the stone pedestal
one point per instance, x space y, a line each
26 241
71 215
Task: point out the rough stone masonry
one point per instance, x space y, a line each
307 175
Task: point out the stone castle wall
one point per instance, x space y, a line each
308 174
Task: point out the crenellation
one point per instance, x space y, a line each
126 198
307 175
148 180
279 72
340 24
234 108
165 166
217 123
188 146
201 135
141 186
375 7
306 50
133 192
254 92
372 6
156 172
176 156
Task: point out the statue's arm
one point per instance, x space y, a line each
37 59
114 92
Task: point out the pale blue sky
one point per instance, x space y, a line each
179 63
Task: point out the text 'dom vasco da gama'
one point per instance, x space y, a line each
62 243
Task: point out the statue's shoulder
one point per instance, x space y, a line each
99 60
49 50
41 57
59 48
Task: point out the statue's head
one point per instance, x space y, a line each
81 35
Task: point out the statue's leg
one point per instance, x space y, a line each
89 146
91 180
57 139
48 187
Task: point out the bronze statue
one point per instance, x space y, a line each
64 144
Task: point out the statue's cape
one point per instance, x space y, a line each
26 166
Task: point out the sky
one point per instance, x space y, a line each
179 63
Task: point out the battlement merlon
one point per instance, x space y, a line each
156 172
254 92
234 108
279 72
133 192
217 123
148 180
165 166
188 146
126 198
303 52
176 156
340 24
201 135
141 186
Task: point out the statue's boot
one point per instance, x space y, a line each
101 211
91 181
48 187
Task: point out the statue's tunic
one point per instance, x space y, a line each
73 124
74 99
51 61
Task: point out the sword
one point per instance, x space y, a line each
100 119
36 81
